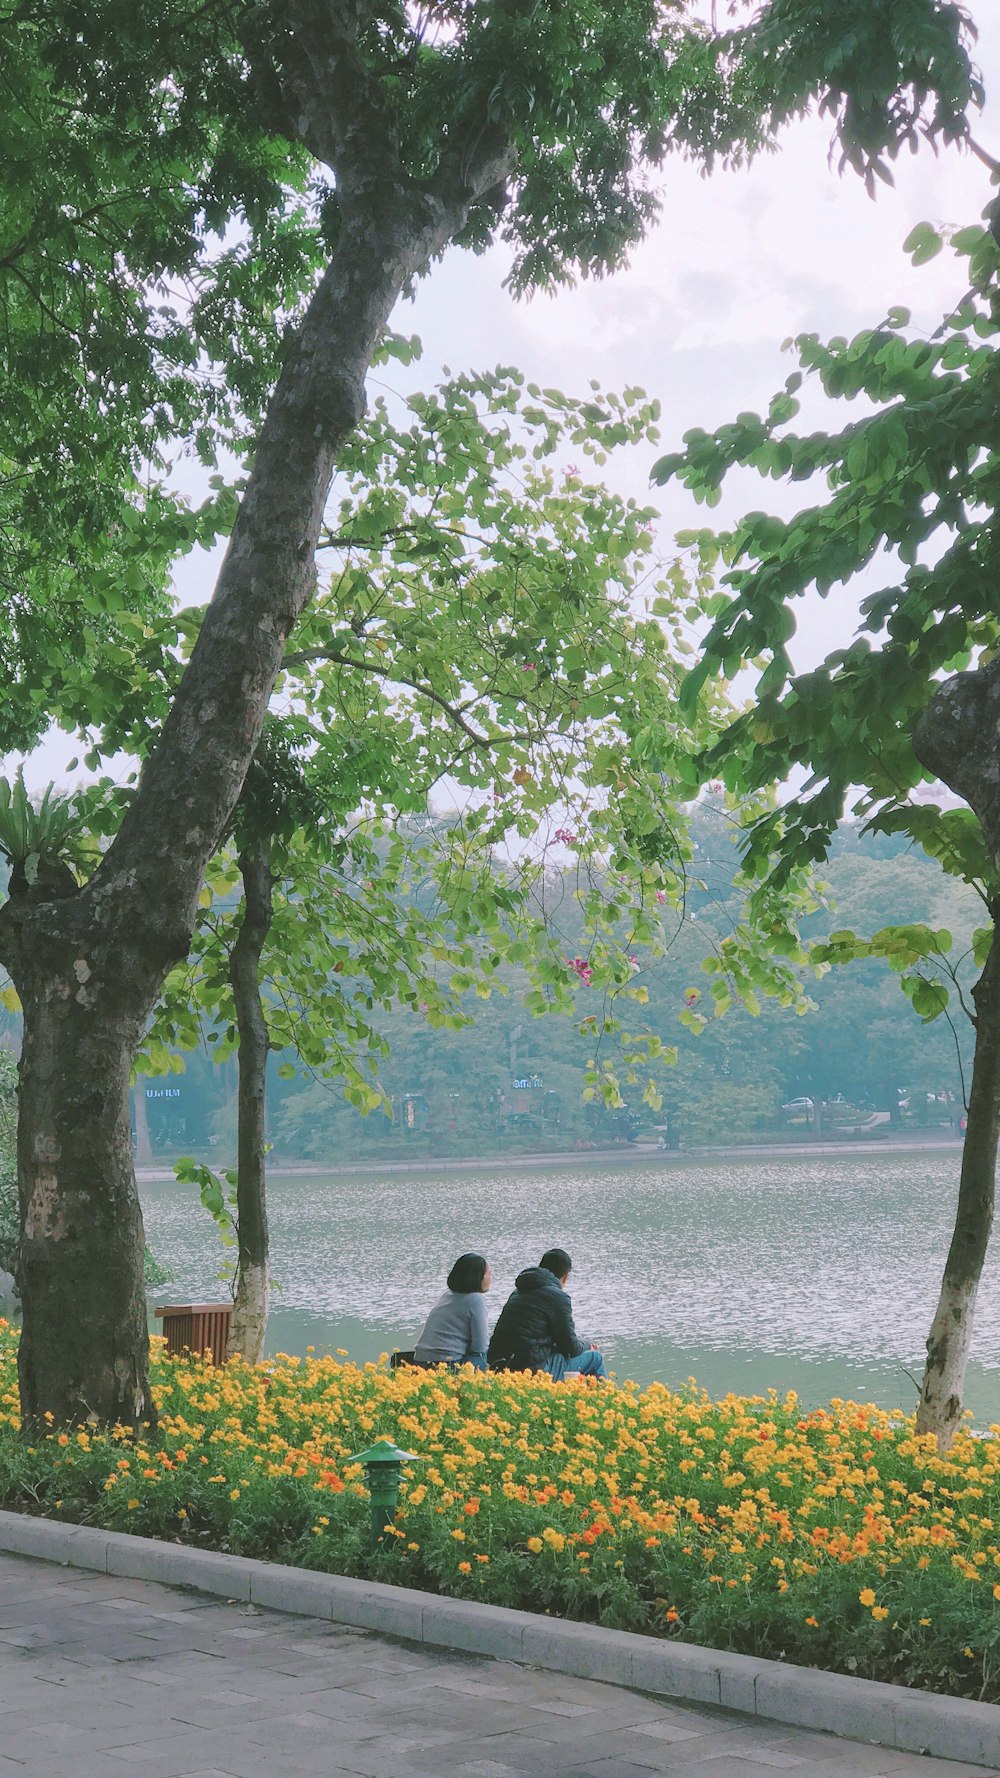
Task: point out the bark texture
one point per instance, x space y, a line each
143 1140
88 965
249 1323
958 738
950 1339
84 1346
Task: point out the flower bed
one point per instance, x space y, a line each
833 1538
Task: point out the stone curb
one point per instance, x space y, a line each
887 1715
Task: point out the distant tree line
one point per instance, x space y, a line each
454 1091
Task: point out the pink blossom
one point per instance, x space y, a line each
564 836
582 968
661 895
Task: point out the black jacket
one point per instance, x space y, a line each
534 1324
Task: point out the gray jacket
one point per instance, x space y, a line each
455 1329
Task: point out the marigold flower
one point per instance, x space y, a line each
465 1568
535 1545
867 1596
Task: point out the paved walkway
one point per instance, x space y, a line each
106 1678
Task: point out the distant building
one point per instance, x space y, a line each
416 1112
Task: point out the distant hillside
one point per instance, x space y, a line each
511 1083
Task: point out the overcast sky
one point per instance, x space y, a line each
736 264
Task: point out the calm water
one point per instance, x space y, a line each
818 1274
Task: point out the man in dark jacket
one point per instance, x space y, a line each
534 1330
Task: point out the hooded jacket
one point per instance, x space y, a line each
534 1324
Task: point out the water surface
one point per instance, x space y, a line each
817 1273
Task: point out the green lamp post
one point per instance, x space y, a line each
383 1463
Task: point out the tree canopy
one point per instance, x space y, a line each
916 480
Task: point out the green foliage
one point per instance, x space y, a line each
36 836
479 627
217 1192
917 479
168 202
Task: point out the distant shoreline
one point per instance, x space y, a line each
629 1153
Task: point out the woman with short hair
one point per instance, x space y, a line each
456 1330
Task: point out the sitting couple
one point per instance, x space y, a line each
534 1331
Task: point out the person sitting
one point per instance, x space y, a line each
456 1330
535 1331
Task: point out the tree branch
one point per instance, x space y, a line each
307 656
336 107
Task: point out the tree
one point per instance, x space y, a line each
917 479
476 627
356 141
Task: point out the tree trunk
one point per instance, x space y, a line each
143 1140
249 1323
88 966
84 1346
958 737
950 1338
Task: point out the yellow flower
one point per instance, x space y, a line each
879 1612
535 1545
465 1568
131 1505
459 1535
867 1596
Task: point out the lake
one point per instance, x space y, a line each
816 1273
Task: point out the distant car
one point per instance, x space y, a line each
798 1106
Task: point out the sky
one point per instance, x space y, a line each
737 263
